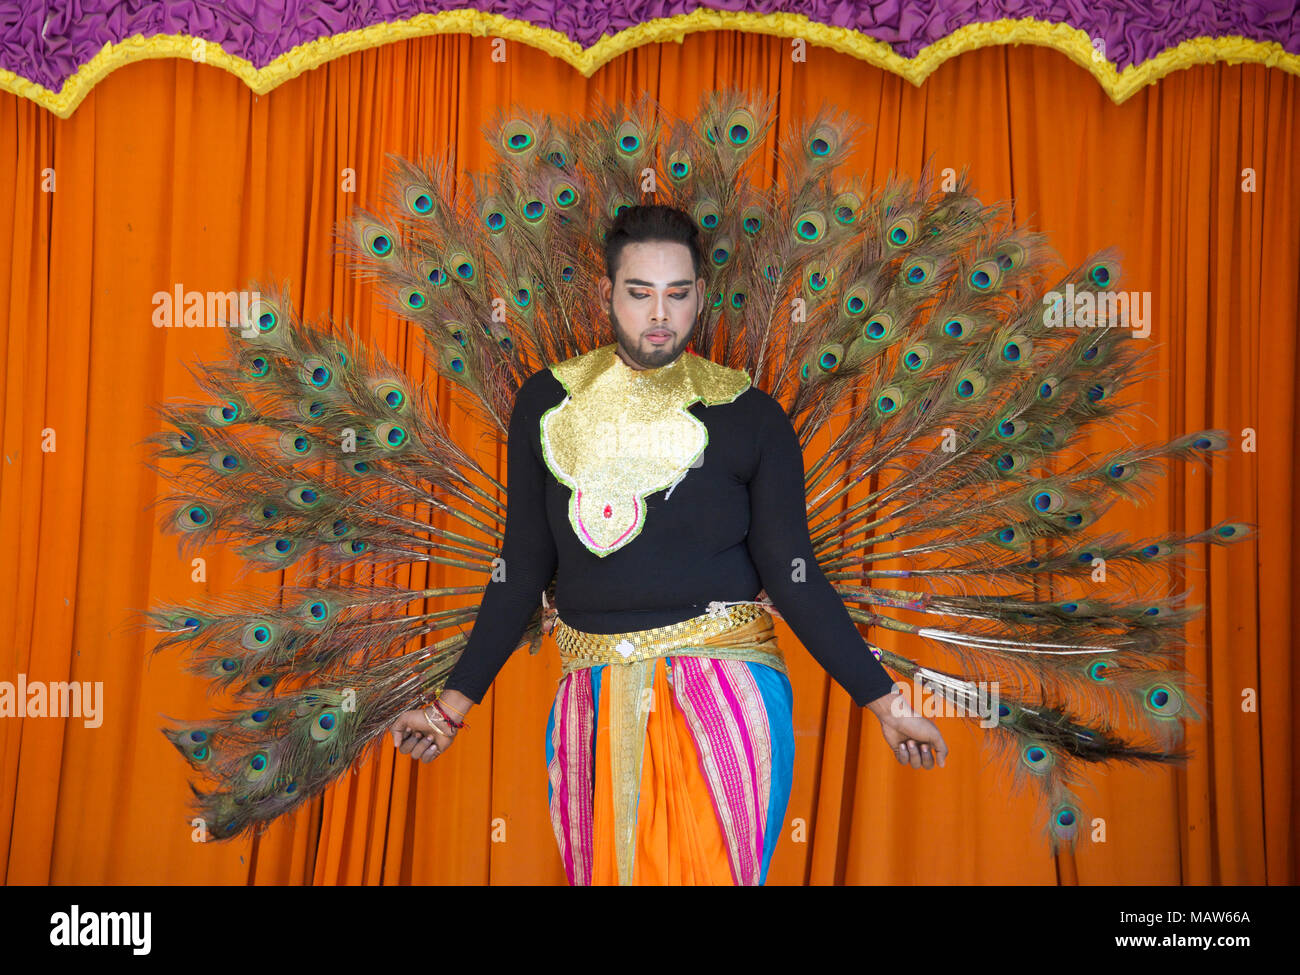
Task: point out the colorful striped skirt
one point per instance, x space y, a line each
670 752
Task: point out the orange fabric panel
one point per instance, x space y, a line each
678 839
174 173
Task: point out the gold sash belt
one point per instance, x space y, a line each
741 632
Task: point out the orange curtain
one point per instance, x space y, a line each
174 173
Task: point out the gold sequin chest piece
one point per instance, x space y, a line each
622 434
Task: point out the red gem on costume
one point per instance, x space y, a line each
609 512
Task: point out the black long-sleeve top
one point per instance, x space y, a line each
728 529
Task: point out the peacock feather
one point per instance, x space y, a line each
911 326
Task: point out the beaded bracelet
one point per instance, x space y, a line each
447 717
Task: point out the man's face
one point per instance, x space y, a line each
653 303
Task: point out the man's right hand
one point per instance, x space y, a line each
413 735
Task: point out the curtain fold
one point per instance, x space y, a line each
172 173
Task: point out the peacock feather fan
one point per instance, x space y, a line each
921 333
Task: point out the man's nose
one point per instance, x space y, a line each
659 312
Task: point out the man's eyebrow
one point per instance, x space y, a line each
650 284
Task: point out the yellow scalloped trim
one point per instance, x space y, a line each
1070 41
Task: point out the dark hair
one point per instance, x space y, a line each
638 224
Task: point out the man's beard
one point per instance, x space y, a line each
654 357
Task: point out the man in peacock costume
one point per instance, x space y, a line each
656 494
676 492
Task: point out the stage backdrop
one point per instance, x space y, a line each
175 173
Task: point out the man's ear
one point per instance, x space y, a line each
605 288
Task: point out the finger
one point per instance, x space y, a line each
914 752
900 753
421 747
941 750
927 757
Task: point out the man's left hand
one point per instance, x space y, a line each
911 737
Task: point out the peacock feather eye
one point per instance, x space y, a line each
741 126
303 496
1038 758
707 214
1100 275
737 300
225 414
567 272
879 327
822 141
679 166
1163 701
845 207
1097 670
517 136
378 242
969 384
1065 823
226 463
919 271
889 400
629 138
193 517
566 196
901 232
533 210
259 367
418 200
809 227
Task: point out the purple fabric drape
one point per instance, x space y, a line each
47 42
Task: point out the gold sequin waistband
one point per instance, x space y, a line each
741 632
